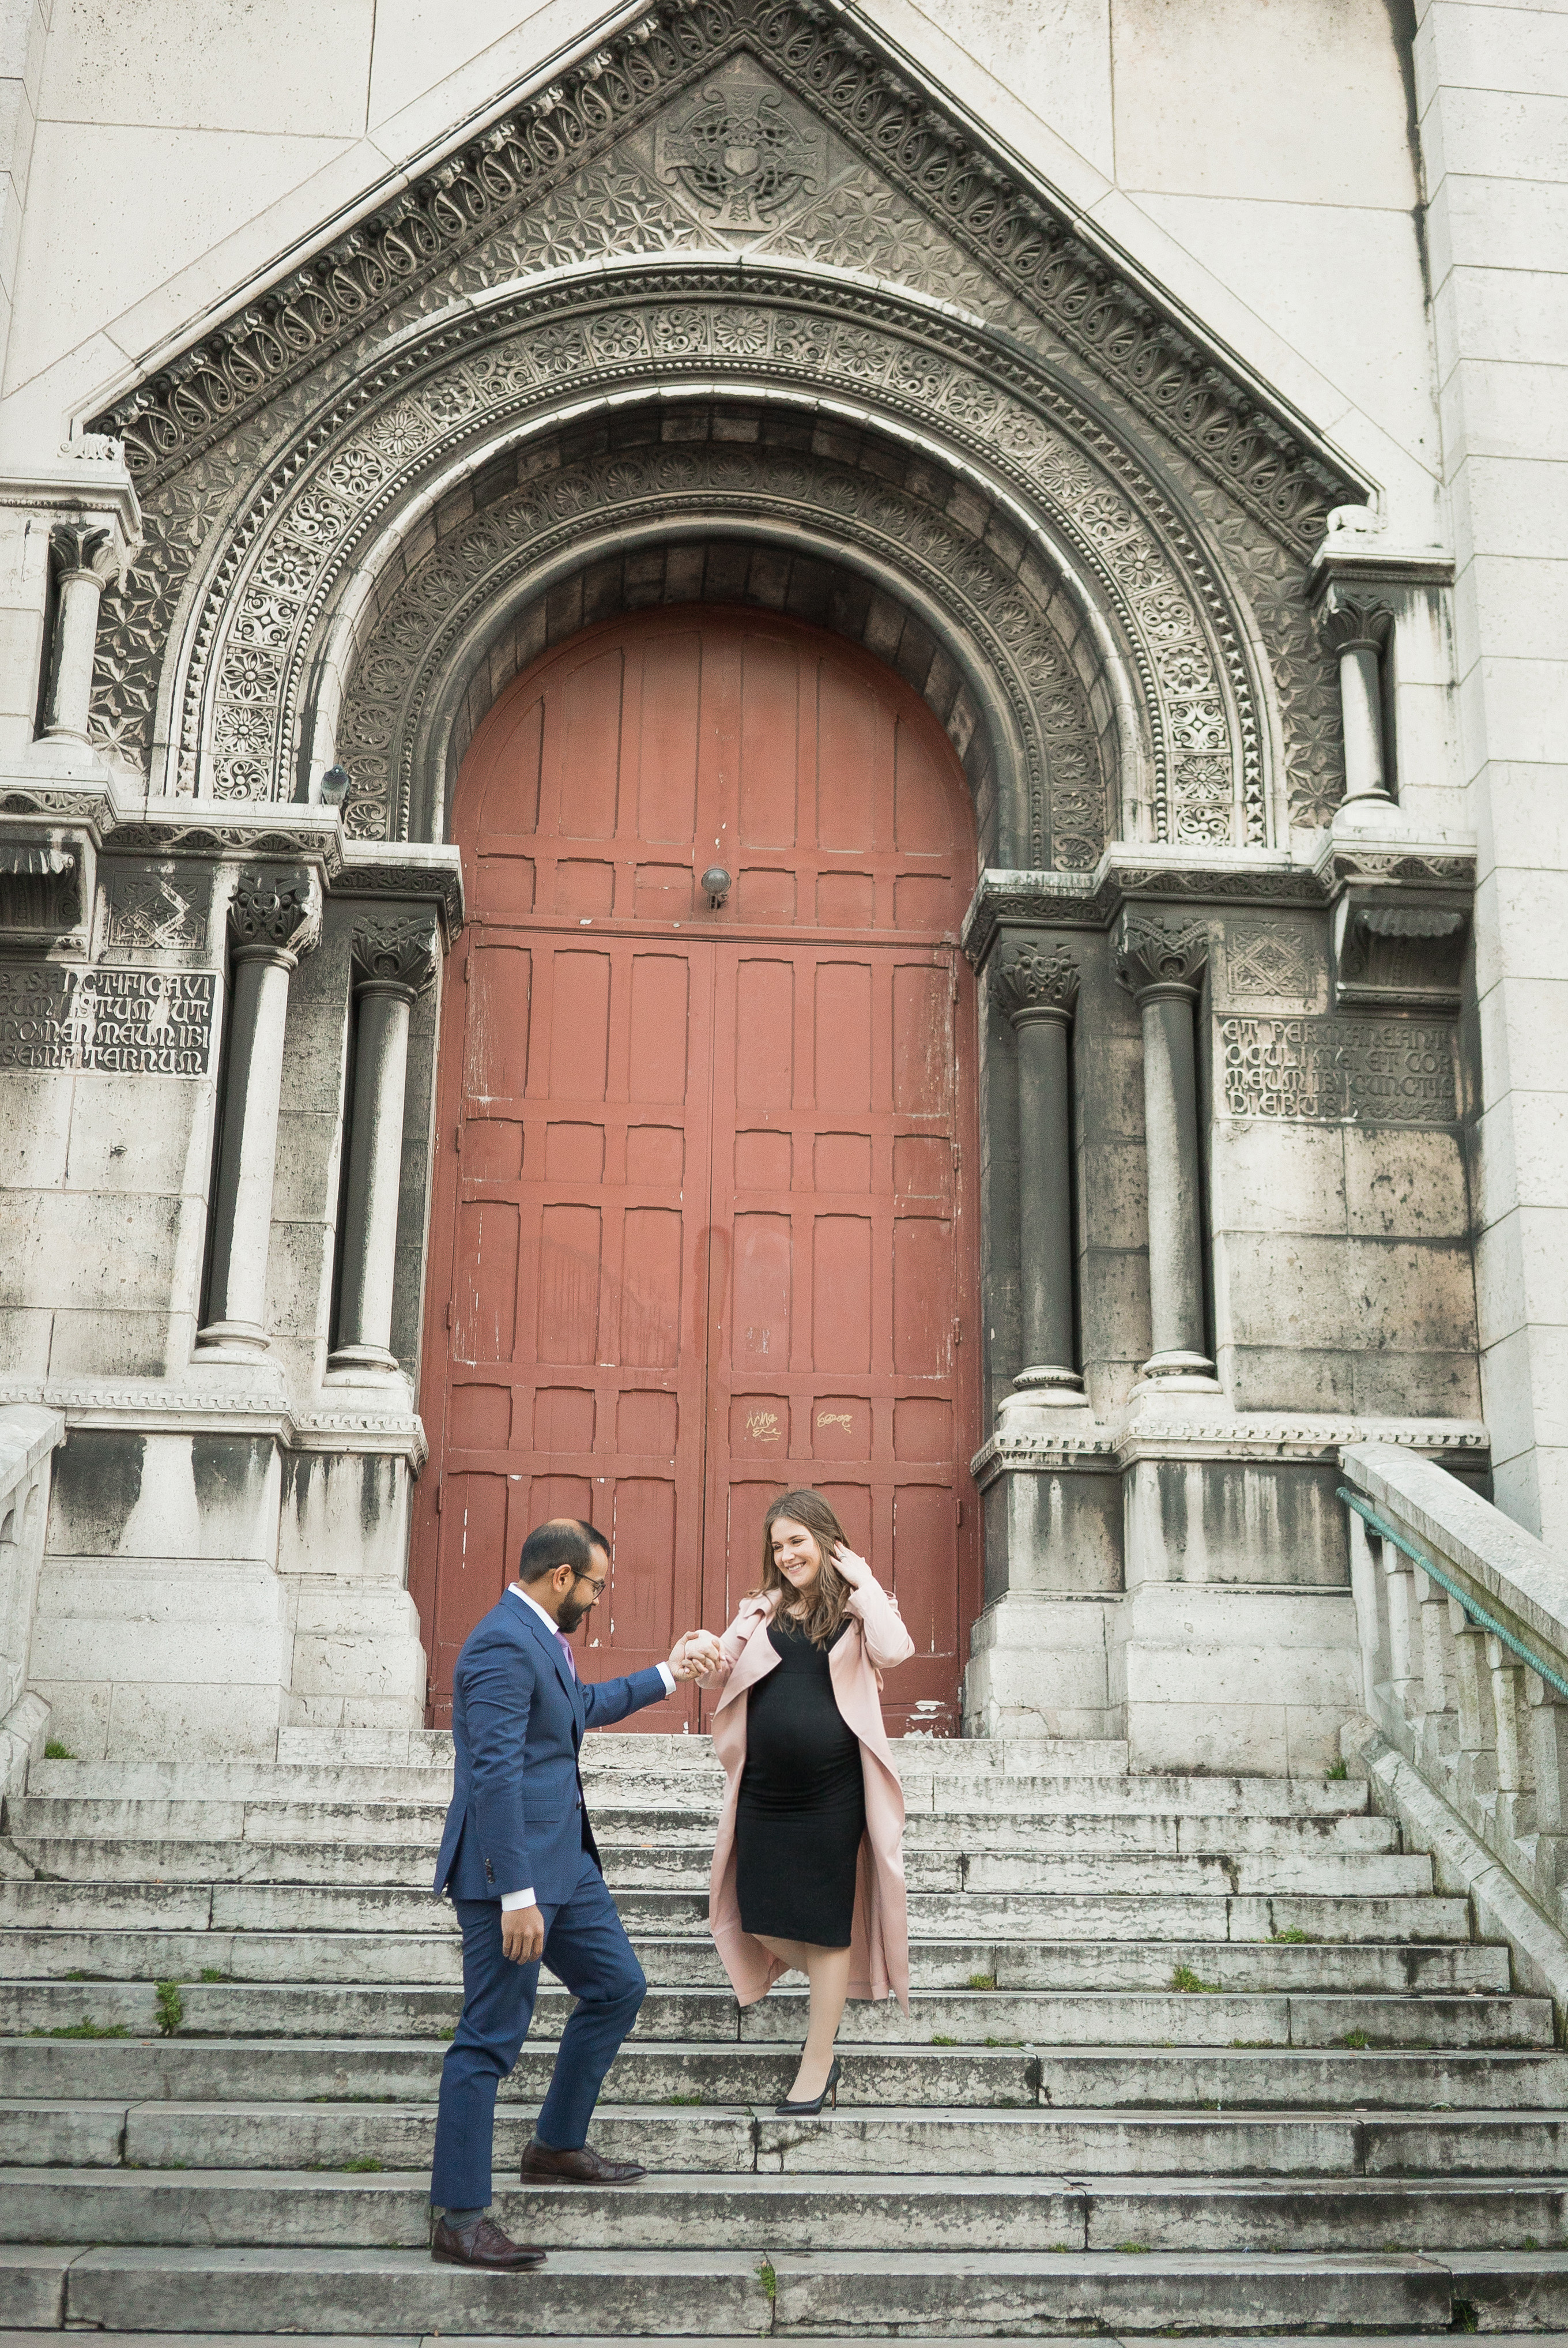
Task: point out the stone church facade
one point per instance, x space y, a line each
756 374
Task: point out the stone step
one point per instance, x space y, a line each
617 1825
638 1749
198 2070
1276 1871
1034 2018
862 2340
1091 1917
691 1960
738 2140
768 2214
617 2293
174 1786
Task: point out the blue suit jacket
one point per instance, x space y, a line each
517 1815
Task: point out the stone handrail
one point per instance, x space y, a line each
28 1439
1464 1619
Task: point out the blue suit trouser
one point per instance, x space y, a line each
587 1948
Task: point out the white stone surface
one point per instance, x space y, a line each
1492 101
1251 1681
1257 162
1038 1668
28 1439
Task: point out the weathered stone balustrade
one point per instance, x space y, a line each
1465 1672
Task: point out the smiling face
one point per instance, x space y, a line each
795 1554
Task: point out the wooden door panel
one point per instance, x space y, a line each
575 1348
832 1354
701 1223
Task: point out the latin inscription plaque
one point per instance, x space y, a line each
152 1023
1368 1071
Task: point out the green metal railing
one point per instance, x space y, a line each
1477 1613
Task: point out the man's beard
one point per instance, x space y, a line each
570 1615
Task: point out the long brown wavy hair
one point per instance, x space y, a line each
830 1592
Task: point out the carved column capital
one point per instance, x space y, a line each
275 916
1158 953
1036 979
1351 624
399 951
85 548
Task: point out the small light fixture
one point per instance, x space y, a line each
334 787
716 881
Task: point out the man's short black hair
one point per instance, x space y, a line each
563 1541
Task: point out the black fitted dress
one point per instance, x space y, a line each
800 1811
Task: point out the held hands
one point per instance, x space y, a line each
522 1935
695 1655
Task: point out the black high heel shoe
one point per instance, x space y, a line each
807 2111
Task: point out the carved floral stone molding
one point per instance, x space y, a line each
1353 623
316 515
1154 950
475 564
389 952
276 913
1036 979
272 454
845 82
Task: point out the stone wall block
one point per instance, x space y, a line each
1288 1377
344 1513
127 1137
1038 1668
1219 1522
1405 1185
1399 1385
89 1345
162 1656
34 1134
1276 1177
122 1494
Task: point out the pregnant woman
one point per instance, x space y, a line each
808 1866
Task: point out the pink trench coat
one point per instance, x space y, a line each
880 1944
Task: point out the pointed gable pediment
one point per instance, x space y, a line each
748 129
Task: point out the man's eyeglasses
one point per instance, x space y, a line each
598 1583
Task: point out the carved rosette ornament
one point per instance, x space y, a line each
1037 981
1156 955
401 956
275 916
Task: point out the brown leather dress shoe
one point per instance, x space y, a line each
541 2165
482 2244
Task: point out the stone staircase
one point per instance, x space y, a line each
1183 2053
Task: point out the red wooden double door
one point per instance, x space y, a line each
703 1221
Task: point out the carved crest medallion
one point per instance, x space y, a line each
742 154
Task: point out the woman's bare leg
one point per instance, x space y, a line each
828 1970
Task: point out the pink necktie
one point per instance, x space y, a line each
566 1650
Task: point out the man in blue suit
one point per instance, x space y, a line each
518 1858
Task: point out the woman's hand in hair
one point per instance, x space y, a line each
853 1569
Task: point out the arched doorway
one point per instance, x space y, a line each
703 1214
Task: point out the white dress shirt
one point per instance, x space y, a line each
510 1899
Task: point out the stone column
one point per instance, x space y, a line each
1160 963
274 918
393 962
85 558
1036 982
1358 632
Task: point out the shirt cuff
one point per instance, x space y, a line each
510 1899
668 1676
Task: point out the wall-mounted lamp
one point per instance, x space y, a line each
716 881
